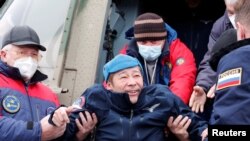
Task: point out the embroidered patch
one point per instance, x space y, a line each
180 61
229 78
11 104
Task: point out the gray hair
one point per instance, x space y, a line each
7 47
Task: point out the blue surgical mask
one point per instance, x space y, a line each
149 53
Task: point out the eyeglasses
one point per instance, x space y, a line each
20 54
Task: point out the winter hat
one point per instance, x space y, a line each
119 62
149 26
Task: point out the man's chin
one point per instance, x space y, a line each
133 100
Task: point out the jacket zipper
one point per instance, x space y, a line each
26 89
37 112
130 123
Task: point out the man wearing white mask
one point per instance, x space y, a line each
24 101
206 76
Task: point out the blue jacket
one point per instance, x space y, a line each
206 76
23 105
119 120
232 98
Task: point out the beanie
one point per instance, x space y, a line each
149 26
118 63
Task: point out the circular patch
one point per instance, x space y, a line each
11 104
180 61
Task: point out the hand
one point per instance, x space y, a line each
60 116
198 99
211 92
50 131
204 134
87 125
179 127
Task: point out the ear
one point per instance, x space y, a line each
240 31
109 85
3 55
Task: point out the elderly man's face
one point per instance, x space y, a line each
127 81
13 52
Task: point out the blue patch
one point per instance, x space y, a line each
50 109
11 104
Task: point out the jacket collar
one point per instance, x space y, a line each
227 21
14 73
122 103
217 56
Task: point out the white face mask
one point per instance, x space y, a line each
149 53
27 67
232 20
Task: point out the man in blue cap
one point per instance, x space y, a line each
126 110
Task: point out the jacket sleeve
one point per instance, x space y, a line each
206 76
12 130
183 71
94 103
197 125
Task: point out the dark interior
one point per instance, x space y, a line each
193 23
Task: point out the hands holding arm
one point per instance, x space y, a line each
85 123
60 119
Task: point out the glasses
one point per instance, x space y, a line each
20 54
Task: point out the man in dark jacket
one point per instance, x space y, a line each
126 110
206 77
232 65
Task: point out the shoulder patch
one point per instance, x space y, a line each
180 61
229 78
11 104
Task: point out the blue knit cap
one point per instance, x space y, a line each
119 62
